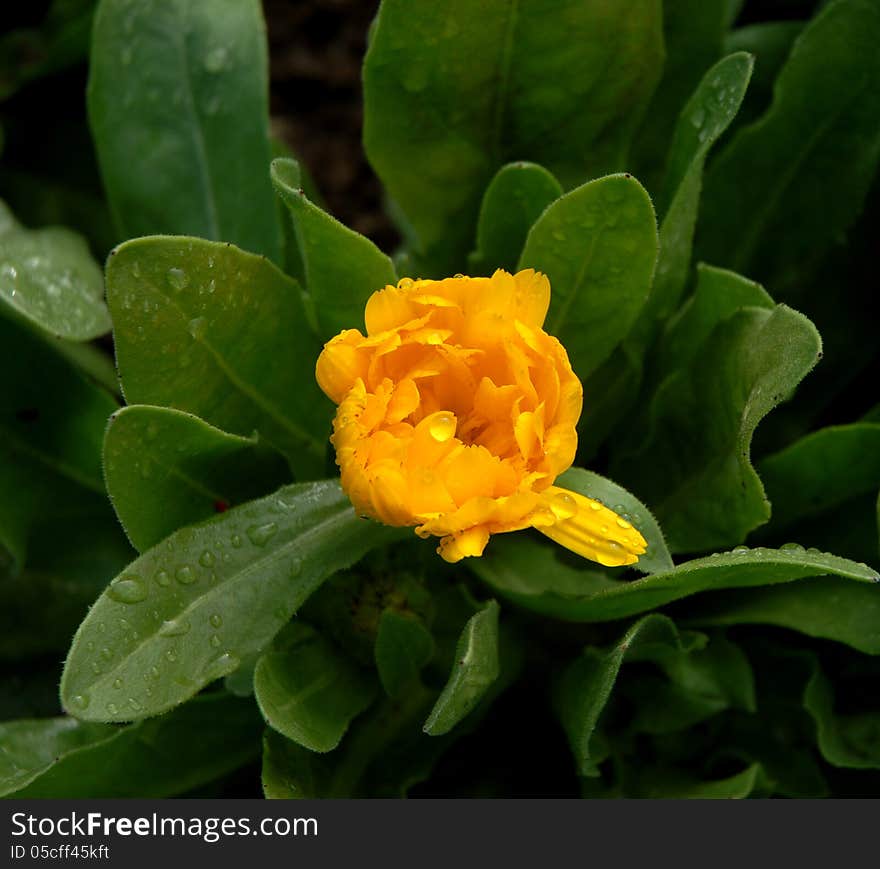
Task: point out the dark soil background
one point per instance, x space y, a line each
316 51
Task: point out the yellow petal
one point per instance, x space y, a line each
590 529
470 543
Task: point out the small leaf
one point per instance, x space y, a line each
657 557
190 610
672 785
530 575
829 608
166 469
702 121
221 334
308 691
342 268
598 246
512 203
586 683
49 277
403 646
64 758
475 669
494 82
851 741
178 107
772 204
692 462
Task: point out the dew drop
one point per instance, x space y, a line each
792 547
739 550
178 278
174 628
216 620
118 683
216 59
171 654
442 427
215 641
206 559
112 709
81 701
154 672
595 505
106 654
622 523
185 575
563 506
134 704
260 535
405 283
236 541
196 327
127 589
296 566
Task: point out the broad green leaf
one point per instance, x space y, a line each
692 464
586 683
829 608
178 107
598 246
822 471
166 469
850 740
657 557
190 610
403 646
475 669
219 333
49 277
719 294
453 91
692 31
51 424
702 121
529 574
787 186
65 758
308 691
342 268
513 201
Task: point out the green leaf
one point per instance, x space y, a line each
403 646
219 333
822 471
787 186
851 740
166 469
512 203
48 277
64 758
475 669
530 574
702 121
342 268
657 557
719 294
309 691
673 785
598 246
692 464
51 424
692 31
770 43
454 91
178 107
828 608
586 683
190 610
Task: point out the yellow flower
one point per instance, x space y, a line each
456 414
